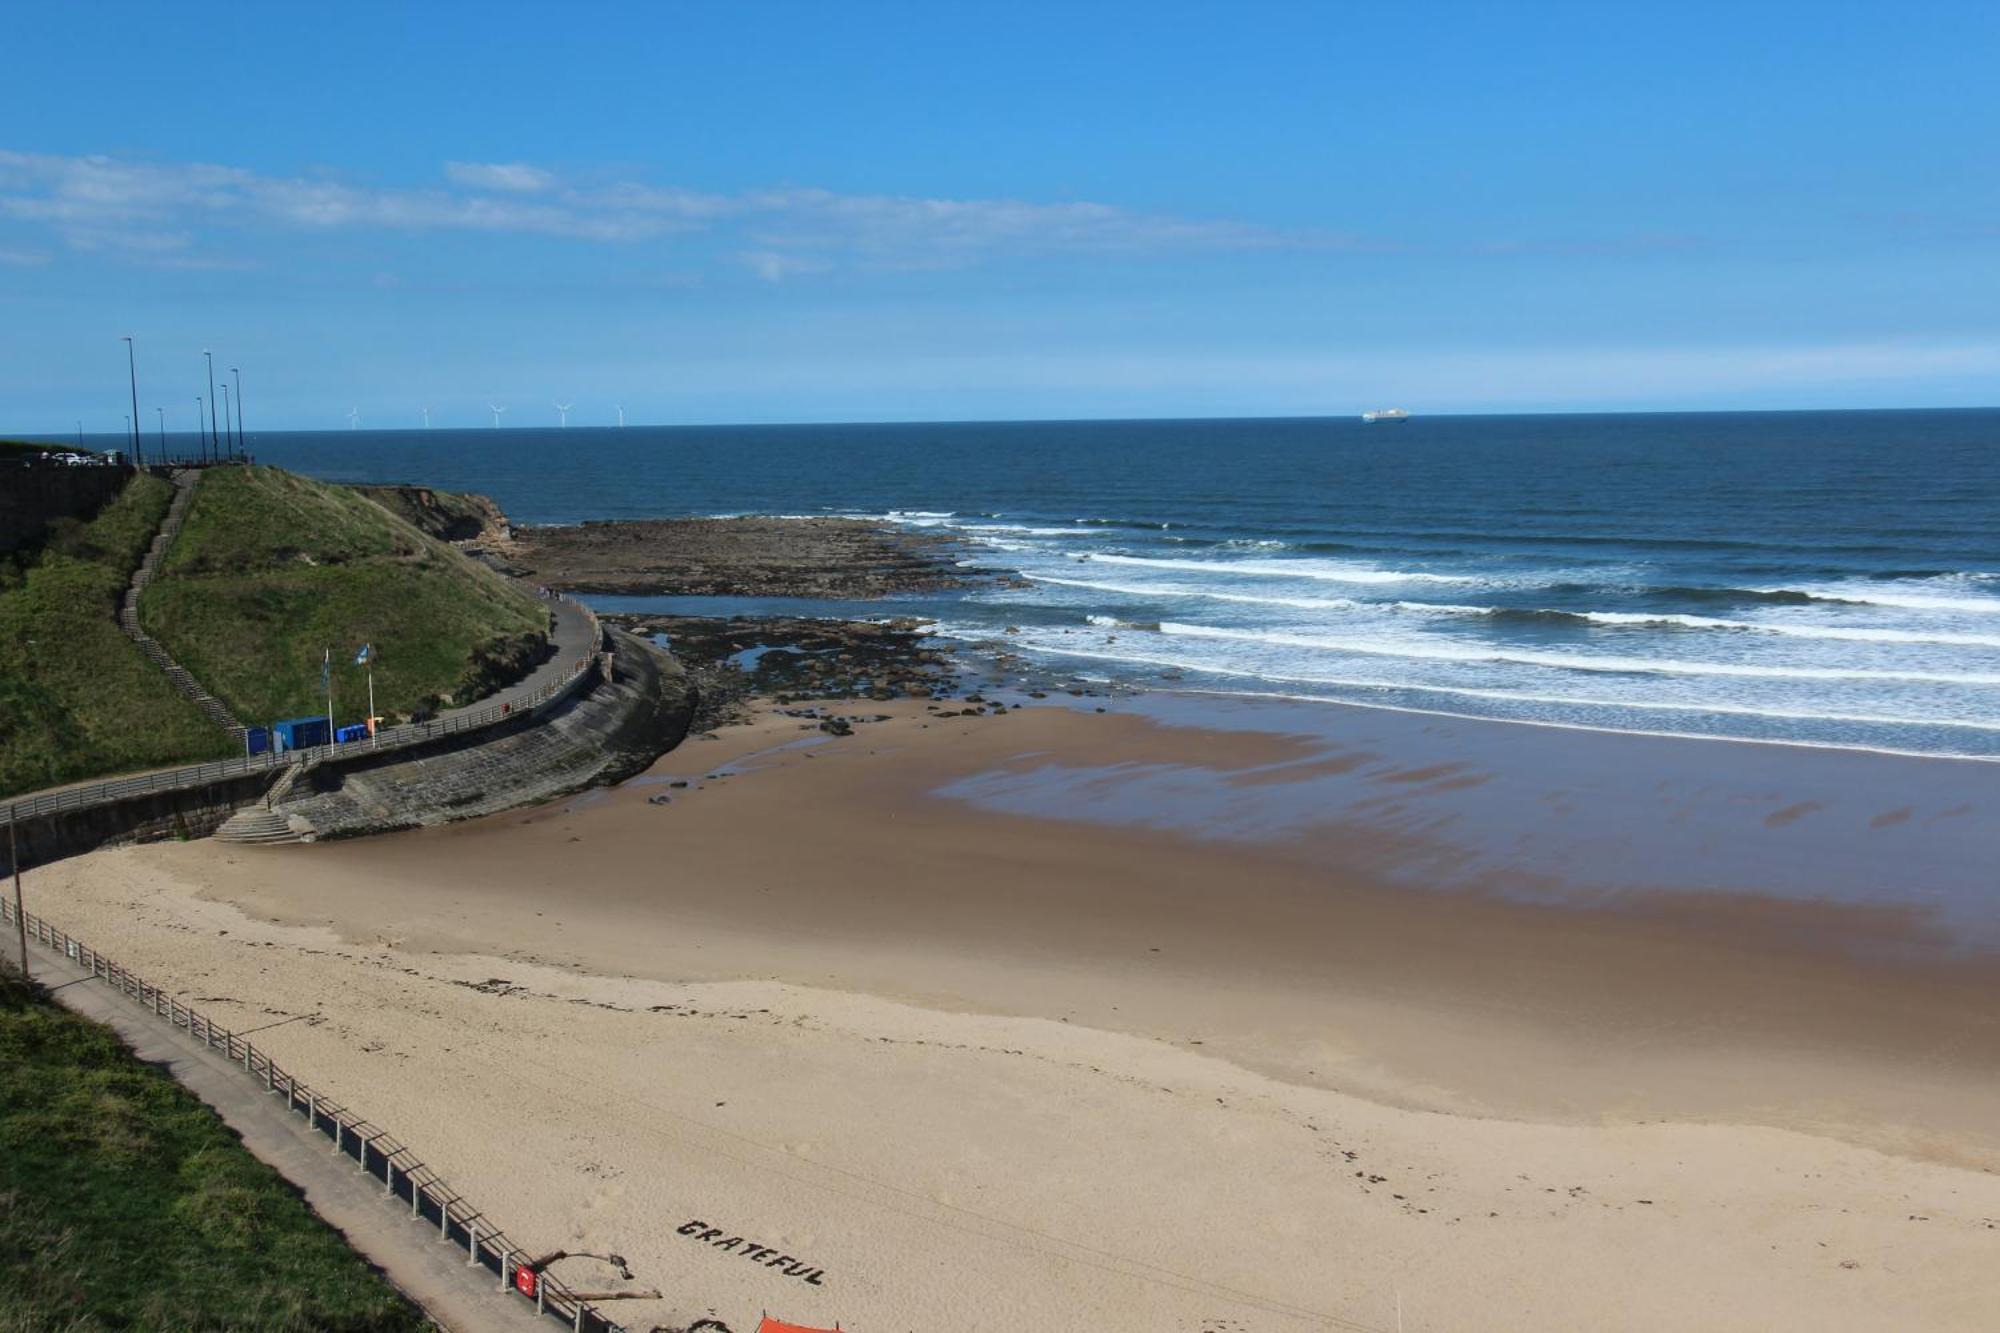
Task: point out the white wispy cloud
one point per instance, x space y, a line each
775 266
517 177
96 201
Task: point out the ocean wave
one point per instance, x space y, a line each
1872 596
1831 595
1324 570
1025 531
1251 599
1548 616
1095 653
1673 620
1452 652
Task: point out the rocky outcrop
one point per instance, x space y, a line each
735 557
449 516
615 730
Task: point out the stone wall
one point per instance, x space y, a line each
191 812
33 497
612 732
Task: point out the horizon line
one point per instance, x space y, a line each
38 437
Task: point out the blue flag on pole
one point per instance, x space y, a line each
366 655
326 672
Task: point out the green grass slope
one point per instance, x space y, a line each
125 1203
272 568
77 698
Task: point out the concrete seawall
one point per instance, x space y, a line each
612 732
603 735
189 812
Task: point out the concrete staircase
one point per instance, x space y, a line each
258 827
218 712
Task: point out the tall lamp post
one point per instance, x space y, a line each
132 369
239 410
163 432
200 426
209 357
227 435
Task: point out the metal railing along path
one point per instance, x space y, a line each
405 1179
534 702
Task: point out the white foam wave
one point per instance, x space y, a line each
1472 692
1326 570
1634 619
1452 652
1025 531
1847 633
1136 590
1870 595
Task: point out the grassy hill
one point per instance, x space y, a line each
126 1203
272 568
76 697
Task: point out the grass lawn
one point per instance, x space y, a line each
272 568
77 699
125 1203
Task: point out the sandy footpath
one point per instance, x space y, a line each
937 1066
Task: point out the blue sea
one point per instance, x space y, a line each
1828 578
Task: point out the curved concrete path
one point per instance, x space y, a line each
574 637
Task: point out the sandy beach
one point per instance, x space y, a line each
1193 1014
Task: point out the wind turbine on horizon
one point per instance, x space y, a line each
427 418
497 410
621 418
354 418
562 414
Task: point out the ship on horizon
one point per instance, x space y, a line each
1384 415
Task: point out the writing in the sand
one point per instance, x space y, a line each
751 1250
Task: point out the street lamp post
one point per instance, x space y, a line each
212 436
226 435
199 427
132 369
163 432
239 410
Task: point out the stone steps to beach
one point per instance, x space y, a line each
213 708
258 826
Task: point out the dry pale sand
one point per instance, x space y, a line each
990 1070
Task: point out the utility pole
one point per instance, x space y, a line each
210 358
132 369
20 917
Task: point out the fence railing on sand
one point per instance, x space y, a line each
85 795
371 1149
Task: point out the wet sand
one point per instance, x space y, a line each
1250 1021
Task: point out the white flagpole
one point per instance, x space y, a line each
329 702
374 727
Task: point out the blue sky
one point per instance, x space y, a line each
783 212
